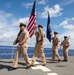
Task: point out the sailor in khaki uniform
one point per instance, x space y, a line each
39 47
65 43
22 40
55 44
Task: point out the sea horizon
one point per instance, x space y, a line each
8 52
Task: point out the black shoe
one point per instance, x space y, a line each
33 65
12 69
59 60
44 65
28 67
65 60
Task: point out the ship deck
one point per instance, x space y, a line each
57 68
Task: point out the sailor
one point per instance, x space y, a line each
65 43
55 44
39 47
22 40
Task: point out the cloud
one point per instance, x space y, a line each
69 2
68 24
42 1
6 29
66 2
23 20
27 5
70 19
54 12
67 27
7 15
4 17
9 26
4 22
8 5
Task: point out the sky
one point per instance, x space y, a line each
12 12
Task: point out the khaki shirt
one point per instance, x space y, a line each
24 34
39 35
64 42
55 41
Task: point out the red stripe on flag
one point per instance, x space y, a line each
31 29
32 21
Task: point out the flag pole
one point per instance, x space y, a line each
36 18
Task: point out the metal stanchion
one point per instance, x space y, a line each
12 51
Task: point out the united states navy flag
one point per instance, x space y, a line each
49 31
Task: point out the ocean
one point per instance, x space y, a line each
8 52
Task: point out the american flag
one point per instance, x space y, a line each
32 20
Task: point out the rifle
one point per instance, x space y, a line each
17 39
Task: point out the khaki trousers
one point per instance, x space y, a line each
39 49
65 54
55 53
20 50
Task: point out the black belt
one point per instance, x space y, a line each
39 41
